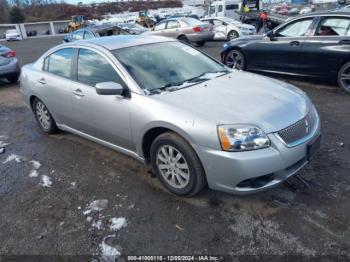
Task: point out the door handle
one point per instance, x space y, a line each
294 43
78 92
42 81
344 42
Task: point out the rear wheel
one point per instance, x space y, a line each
12 79
232 35
344 77
44 117
177 165
200 43
183 39
235 59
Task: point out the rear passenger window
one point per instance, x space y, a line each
93 69
333 27
59 62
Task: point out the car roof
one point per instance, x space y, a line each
328 13
122 41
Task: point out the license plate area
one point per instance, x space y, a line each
313 147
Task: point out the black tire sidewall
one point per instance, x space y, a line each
183 39
53 127
191 186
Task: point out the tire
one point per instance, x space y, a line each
183 39
44 117
183 176
344 77
232 35
200 43
235 59
12 79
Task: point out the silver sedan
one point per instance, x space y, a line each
191 119
9 68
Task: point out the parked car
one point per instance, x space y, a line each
293 11
12 34
227 28
315 45
305 10
185 29
133 28
9 68
190 118
93 32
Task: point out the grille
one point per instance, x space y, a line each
300 129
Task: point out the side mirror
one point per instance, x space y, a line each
270 35
109 88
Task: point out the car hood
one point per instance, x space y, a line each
241 98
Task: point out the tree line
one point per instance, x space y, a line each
20 11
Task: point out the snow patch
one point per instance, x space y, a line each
97 224
46 181
96 205
73 184
36 164
33 173
118 223
12 157
109 253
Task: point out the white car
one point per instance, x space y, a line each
12 34
227 28
305 10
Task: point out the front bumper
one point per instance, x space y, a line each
257 170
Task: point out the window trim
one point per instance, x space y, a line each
178 24
321 18
49 56
308 33
110 62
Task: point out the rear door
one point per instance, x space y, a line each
328 48
105 117
282 51
54 85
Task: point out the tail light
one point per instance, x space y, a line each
9 54
197 29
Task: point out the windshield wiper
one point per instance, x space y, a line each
175 86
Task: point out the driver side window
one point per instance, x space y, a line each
295 29
160 26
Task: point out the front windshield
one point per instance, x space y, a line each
166 64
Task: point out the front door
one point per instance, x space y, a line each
281 51
105 117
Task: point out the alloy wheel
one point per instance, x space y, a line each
235 60
43 115
173 166
232 35
345 78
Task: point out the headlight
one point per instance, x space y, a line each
242 137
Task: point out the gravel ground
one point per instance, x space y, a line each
70 203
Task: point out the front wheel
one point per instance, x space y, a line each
44 117
177 165
235 59
232 35
344 77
